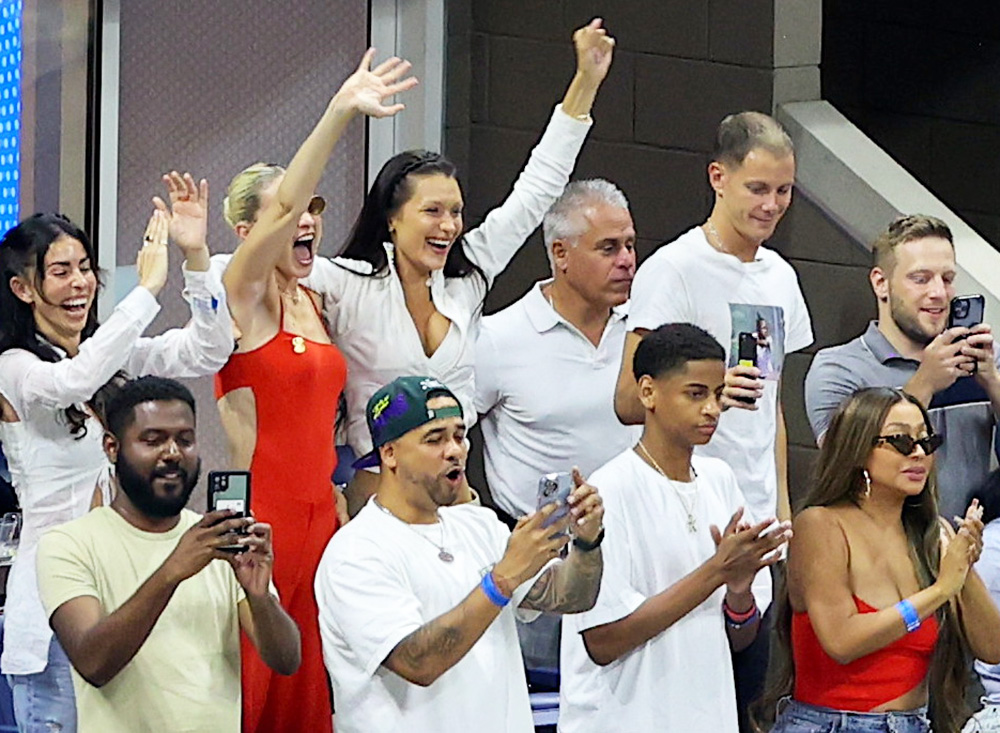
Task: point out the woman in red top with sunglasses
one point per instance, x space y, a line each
880 607
278 394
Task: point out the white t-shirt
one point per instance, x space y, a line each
681 679
688 281
381 579
546 394
186 675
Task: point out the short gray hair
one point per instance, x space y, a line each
565 218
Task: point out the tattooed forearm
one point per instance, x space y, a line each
440 644
568 586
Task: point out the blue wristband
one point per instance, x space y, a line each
489 587
909 614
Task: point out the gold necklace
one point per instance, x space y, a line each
692 521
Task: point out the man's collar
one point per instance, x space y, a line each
879 345
544 317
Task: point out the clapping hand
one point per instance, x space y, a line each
586 509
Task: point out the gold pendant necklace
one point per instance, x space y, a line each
692 521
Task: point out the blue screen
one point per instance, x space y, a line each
10 110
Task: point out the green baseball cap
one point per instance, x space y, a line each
401 406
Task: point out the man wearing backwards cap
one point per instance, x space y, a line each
417 597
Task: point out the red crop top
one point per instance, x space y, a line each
864 684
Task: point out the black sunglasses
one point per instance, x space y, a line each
906 444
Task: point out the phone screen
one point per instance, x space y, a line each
748 350
230 490
555 487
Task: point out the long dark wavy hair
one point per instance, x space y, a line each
839 479
393 187
22 254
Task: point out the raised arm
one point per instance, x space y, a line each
205 344
571 585
100 644
506 228
437 646
818 573
364 92
269 627
29 383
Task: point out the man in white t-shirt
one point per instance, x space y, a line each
145 603
720 276
415 594
681 584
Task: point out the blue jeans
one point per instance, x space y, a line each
44 702
797 717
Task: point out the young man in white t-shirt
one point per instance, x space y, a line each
415 594
681 583
144 601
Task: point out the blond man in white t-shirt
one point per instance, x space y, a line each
147 606
682 584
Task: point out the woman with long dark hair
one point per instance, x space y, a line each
406 294
54 357
880 608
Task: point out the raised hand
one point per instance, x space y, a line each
594 50
530 546
366 90
972 522
254 567
187 216
151 264
200 544
743 387
956 559
587 509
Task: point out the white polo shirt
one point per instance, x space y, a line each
546 394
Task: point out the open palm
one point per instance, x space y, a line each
367 89
188 210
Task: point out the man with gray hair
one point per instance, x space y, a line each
546 366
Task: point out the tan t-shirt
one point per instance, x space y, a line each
186 675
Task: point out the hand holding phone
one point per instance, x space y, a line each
555 488
746 357
966 311
230 490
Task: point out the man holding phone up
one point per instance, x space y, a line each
912 346
143 600
417 597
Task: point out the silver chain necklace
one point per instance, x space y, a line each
443 554
692 520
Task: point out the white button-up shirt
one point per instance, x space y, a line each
368 318
546 394
55 474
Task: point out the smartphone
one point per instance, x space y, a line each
555 487
746 356
966 311
230 490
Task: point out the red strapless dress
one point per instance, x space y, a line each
296 385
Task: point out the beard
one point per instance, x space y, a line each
139 489
908 323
